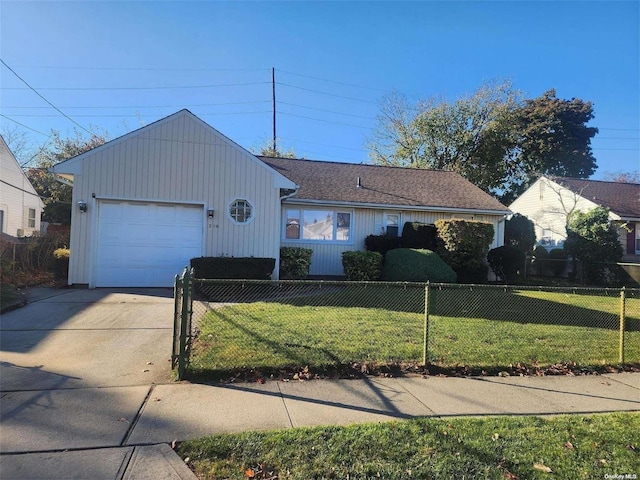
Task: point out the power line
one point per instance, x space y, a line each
38 93
152 106
328 111
180 69
141 88
326 121
332 81
142 115
23 125
22 189
327 93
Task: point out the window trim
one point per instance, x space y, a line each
333 211
399 225
30 219
252 216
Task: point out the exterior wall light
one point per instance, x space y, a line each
82 205
210 213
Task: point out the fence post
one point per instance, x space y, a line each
622 319
425 351
175 352
186 284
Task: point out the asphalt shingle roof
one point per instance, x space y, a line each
338 182
623 199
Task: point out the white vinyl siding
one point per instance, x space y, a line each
17 197
327 256
547 204
178 161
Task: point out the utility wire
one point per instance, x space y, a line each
326 121
38 93
328 111
180 69
22 189
141 88
327 93
155 106
331 81
23 125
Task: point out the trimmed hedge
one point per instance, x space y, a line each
295 262
506 262
381 243
233 267
540 260
416 265
419 235
359 266
464 247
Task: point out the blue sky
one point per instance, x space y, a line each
101 63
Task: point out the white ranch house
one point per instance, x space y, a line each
149 201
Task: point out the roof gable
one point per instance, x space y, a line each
12 169
74 165
623 199
333 182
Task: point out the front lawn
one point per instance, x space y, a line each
575 446
482 328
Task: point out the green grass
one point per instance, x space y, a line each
575 446
483 328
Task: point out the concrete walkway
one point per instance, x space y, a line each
70 424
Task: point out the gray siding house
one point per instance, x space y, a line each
147 202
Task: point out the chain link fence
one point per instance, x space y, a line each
303 328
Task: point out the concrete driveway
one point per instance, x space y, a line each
76 367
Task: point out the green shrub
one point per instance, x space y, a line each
519 232
540 260
295 262
416 265
381 243
419 235
362 265
506 262
463 246
60 263
233 267
557 261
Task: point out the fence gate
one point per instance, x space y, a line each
182 313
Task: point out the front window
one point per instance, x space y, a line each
31 221
241 211
393 224
318 225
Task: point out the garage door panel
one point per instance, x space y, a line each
146 244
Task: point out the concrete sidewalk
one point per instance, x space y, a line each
33 442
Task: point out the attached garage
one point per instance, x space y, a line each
146 203
145 244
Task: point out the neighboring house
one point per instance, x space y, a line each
147 202
20 205
549 201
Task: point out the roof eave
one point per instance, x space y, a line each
383 206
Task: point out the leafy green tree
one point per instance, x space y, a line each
474 136
492 137
519 232
57 196
554 140
267 150
593 240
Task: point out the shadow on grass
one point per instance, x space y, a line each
597 308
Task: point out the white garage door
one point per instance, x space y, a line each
146 244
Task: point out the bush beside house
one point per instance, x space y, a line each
416 265
362 266
233 267
464 245
419 235
295 263
381 243
506 262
